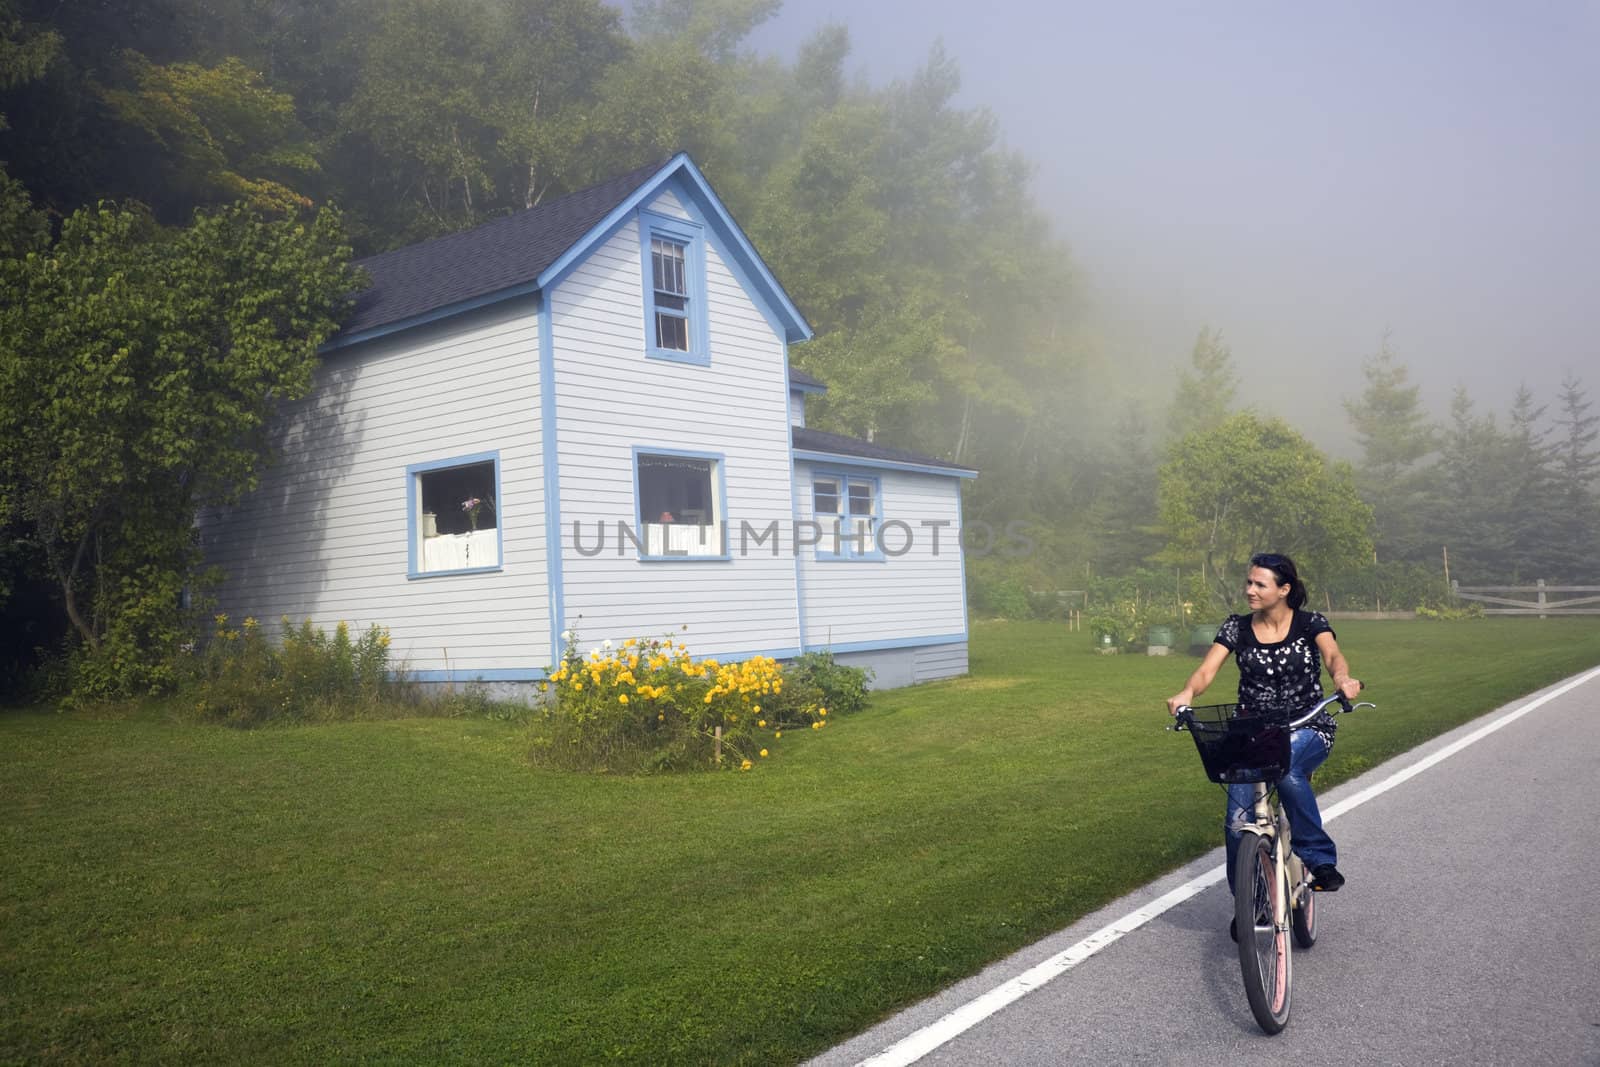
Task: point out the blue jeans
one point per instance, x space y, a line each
1310 841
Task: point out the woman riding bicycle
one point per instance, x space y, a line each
1280 650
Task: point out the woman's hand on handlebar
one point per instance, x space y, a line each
1349 688
1181 699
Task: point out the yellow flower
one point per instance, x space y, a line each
777 734
816 726
250 623
222 619
661 718
822 711
758 712
622 698
577 685
745 766
761 722
763 753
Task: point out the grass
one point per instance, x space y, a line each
414 891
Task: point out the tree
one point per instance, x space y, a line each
1529 480
208 136
1575 519
1254 484
1395 436
138 370
1205 392
1473 494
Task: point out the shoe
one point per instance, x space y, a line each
1325 878
1233 930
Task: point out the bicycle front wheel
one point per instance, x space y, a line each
1261 916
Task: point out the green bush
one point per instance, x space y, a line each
649 705
836 687
1450 611
241 678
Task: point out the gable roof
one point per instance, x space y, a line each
805 383
820 445
525 252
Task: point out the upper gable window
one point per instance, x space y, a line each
674 288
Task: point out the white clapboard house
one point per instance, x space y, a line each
583 416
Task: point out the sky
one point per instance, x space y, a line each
1309 179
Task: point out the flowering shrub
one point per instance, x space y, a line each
242 678
650 705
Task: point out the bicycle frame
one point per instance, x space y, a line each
1292 877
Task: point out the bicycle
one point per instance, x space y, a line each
1272 892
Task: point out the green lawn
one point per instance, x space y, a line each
414 891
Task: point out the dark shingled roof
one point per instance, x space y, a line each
507 252
810 440
805 381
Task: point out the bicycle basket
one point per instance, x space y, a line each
1239 744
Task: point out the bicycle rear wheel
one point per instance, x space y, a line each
1305 917
1263 941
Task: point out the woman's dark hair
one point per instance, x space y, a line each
1283 569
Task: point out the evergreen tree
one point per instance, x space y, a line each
1206 390
1395 435
1529 480
1472 508
1575 517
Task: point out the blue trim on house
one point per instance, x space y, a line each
413 512
794 505
692 236
901 642
553 552
836 460
966 617
733 260
720 508
746 253
435 315
799 388
498 674
796 327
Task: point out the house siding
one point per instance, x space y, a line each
917 594
612 400
325 535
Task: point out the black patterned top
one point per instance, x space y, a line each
1286 673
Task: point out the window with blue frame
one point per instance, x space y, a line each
454 515
679 502
674 288
848 510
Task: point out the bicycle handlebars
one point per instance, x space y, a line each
1183 718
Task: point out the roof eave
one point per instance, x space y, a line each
846 459
436 314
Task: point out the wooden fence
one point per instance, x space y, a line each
1541 602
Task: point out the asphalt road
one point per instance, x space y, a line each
1468 933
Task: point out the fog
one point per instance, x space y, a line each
1307 180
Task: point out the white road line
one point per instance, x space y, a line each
918 1044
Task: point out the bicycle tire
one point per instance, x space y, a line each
1264 958
1305 918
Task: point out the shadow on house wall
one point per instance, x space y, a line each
273 547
